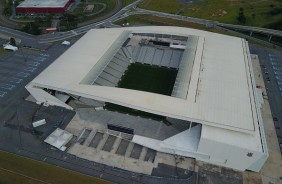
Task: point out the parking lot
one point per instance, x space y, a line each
277 69
18 68
271 65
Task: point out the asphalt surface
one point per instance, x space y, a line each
271 64
20 67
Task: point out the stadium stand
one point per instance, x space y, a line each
113 72
158 57
135 52
144 52
175 59
150 55
182 81
109 77
166 58
115 69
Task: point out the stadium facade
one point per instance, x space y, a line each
214 100
37 6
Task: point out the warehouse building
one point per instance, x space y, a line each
43 7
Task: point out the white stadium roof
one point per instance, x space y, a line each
220 92
214 87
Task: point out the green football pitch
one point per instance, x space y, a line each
149 78
143 77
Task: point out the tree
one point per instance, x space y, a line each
32 28
71 22
241 16
69 17
12 41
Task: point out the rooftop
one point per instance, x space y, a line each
43 4
220 90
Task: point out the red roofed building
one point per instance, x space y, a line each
43 6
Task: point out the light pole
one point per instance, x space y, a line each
21 49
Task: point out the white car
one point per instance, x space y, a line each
10 47
67 43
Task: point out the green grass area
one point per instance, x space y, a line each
257 13
9 177
127 2
2 50
16 169
168 6
157 21
148 78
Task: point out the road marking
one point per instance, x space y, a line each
7 86
2 94
73 32
34 63
16 80
40 59
45 55
23 74
30 69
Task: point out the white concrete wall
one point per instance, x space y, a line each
159 146
228 155
211 152
42 96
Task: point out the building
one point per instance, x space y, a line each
214 101
37 6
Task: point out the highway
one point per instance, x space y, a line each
125 12
253 29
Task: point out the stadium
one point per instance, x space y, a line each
174 90
50 6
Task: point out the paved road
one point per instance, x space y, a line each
84 29
253 29
34 40
124 12
271 65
